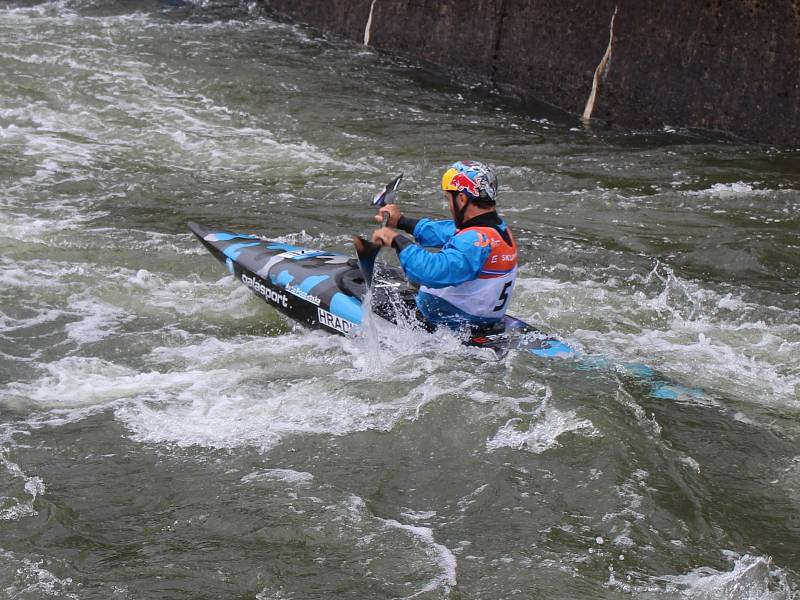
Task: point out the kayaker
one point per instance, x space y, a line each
470 281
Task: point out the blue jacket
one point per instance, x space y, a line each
461 259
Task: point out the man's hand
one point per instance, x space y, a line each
384 236
393 212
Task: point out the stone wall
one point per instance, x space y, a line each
725 65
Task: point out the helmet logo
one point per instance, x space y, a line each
461 182
475 179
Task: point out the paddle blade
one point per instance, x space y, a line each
389 193
367 252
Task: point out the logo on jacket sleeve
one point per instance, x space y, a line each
482 241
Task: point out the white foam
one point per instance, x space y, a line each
621 522
39 274
418 515
542 432
418 552
286 475
736 189
241 402
471 498
247 353
168 126
227 410
101 238
268 594
38 316
44 229
98 320
112 297
256 391
725 189
13 508
27 578
751 578
157 293
439 553
80 382
698 336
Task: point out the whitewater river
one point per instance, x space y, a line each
164 434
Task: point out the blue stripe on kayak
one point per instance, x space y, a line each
284 247
283 278
310 282
234 250
597 362
665 391
638 370
659 387
554 348
672 391
224 236
346 307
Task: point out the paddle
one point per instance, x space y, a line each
366 251
387 196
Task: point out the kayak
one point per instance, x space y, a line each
327 290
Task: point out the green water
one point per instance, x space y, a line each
165 434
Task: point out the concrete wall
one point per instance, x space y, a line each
727 65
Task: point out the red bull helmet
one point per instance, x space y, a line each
477 180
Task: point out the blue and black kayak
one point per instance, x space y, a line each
326 290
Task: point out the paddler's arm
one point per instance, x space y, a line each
429 233
460 261
433 234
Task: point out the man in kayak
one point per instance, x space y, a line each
470 281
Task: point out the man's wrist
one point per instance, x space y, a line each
400 242
407 224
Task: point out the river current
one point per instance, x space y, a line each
165 434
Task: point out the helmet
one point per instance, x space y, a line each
477 180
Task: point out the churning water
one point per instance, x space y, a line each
165 434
